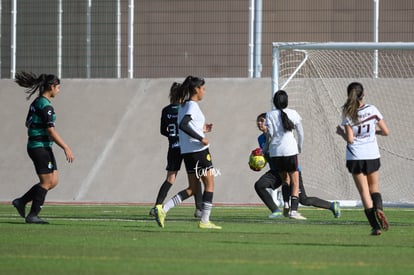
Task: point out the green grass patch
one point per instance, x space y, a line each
108 239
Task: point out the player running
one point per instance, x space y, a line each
362 152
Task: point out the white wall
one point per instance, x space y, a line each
112 127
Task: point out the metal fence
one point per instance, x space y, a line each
173 38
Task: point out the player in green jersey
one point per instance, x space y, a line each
40 123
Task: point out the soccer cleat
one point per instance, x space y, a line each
275 215
382 219
286 211
159 215
296 216
152 212
35 219
375 232
19 207
336 209
197 213
208 225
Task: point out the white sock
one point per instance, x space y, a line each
205 212
174 201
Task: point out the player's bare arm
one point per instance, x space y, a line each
59 141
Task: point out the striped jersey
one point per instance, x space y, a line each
41 116
365 144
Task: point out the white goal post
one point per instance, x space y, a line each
303 46
315 75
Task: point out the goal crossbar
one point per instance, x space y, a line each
345 45
374 46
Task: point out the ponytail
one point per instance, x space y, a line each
286 122
174 96
355 93
187 88
33 83
280 100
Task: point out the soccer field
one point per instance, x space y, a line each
107 239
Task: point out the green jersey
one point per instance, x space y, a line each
41 116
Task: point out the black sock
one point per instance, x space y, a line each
162 194
370 213
183 195
285 192
28 196
377 200
38 200
198 196
294 203
208 197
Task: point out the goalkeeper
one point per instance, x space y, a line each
272 180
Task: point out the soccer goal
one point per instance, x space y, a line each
316 75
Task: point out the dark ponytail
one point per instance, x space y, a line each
174 90
280 100
187 89
33 83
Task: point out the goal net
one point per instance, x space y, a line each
316 75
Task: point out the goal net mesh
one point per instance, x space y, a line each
318 91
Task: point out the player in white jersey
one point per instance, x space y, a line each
169 129
282 146
362 122
195 152
192 137
272 180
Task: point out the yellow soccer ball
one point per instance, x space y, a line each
256 160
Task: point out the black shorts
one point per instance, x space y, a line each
199 162
174 159
43 159
365 166
285 164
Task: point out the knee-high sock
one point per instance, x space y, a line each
198 196
162 194
38 200
377 200
286 193
207 205
28 196
294 203
370 213
176 200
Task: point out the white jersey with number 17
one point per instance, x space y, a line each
365 144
